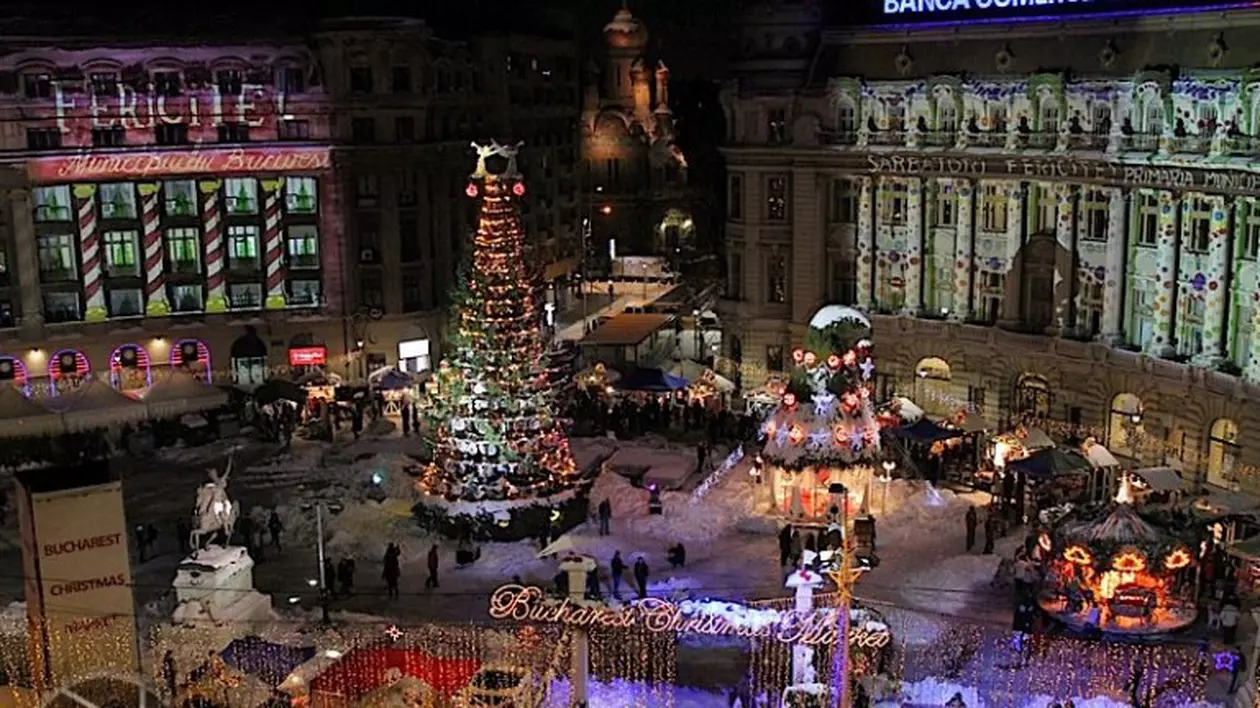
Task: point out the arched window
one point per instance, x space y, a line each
933 386
67 369
1223 452
1124 424
1032 396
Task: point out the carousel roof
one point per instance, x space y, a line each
1122 525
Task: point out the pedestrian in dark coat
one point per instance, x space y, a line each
605 517
641 576
990 532
618 566
785 545
432 580
972 522
392 570
275 526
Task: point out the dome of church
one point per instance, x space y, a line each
626 31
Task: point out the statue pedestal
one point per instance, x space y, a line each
217 585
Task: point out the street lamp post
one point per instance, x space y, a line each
886 478
324 598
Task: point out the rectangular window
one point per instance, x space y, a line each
37 85
234 133
842 208
400 79
409 239
121 254
229 81
167 83
56 259
363 130
406 188
412 293
242 247
291 79
62 307
735 277
405 129
1190 324
300 195
776 279
946 211
993 209
776 126
43 138
1142 313
776 198
125 302
1200 236
186 298
1251 236
366 190
371 291
842 282
1096 208
735 198
304 293
118 200
361 79
103 83
290 129
170 134
245 296
113 136
52 203
893 203
240 195
302 248
183 250
179 197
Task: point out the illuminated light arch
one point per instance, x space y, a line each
79 367
129 356
194 355
20 377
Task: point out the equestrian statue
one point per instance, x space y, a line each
215 513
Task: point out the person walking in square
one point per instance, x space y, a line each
641 576
392 571
618 566
971 522
605 517
432 580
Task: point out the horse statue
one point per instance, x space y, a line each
494 149
214 512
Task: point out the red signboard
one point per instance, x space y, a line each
141 165
308 356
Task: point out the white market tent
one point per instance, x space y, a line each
910 412
20 417
178 392
98 405
1099 456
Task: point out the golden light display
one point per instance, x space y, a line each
1179 558
1078 555
1129 561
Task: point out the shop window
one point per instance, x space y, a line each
183 250
122 258
302 248
179 197
52 203
1032 396
62 307
242 247
186 298
118 200
240 195
125 302
304 292
300 195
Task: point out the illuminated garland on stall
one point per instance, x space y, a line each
496 436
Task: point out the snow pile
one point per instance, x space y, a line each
931 692
179 454
393 473
716 475
363 530
690 524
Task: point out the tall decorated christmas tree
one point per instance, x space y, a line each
497 438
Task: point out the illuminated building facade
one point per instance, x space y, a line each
1047 216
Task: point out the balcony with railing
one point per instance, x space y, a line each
896 138
1040 141
1191 144
1241 145
940 138
1087 141
987 139
1139 142
838 137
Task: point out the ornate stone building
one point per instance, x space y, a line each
1055 217
637 175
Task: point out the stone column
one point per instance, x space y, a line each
576 567
1166 278
1216 302
1113 284
1016 231
26 264
964 250
808 257
865 257
1067 197
916 196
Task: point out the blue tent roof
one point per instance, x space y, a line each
394 381
268 661
926 431
1051 462
651 380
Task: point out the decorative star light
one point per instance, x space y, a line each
1225 660
824 404
868 368
845 576
857 439
819 439
394 633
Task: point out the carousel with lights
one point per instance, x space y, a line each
824 429
502 466
1119 572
